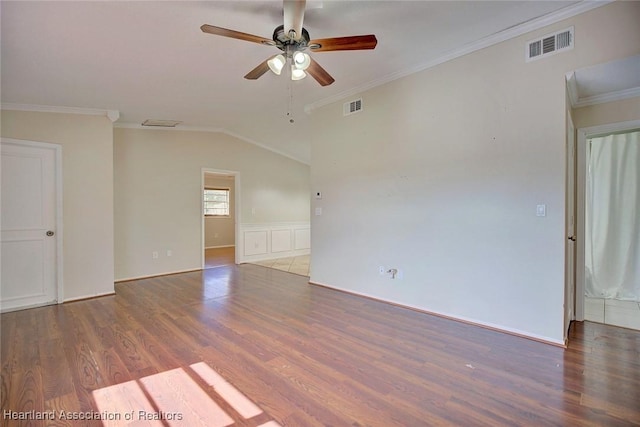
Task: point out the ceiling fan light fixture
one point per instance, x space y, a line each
301 60
294 41
276 64
297 74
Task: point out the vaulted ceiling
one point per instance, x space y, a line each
150 60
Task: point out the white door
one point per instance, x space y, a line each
29 217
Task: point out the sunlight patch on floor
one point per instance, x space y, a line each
174 398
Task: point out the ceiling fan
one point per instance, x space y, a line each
294 42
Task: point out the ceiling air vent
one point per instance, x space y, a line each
352 107
161 123
549 44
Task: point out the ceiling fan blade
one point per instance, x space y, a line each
219 31
258 71
368 41
293 16
320 74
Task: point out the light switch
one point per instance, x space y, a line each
541 210
318 211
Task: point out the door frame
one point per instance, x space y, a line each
57 148
583 134
570 224
236 207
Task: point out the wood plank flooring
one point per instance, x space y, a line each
252 346
217 257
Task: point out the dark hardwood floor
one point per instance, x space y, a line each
217 257
305 355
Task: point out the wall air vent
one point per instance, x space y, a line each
549 44
161 123
352 107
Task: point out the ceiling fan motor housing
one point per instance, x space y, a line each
288 44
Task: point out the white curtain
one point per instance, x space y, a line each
612 217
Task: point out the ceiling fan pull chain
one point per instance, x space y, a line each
290 101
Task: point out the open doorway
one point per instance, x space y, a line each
608 265
219 218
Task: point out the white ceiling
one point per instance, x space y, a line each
149 60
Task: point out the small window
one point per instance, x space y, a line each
216 202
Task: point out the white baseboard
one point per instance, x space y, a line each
129 279
103 294
26 307
468 321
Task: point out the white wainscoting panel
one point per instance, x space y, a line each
280 240
260 242
302 238
255 243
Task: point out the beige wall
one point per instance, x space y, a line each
440 174
158 194
610 112
221 231
87 170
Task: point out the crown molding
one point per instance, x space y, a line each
266 147
113 115
183 128
572 87
579 102
607 97
509 33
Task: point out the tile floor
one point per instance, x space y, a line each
297 265
217 257
613 312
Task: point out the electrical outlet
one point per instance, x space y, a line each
154 254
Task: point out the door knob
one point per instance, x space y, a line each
50 233
572 238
